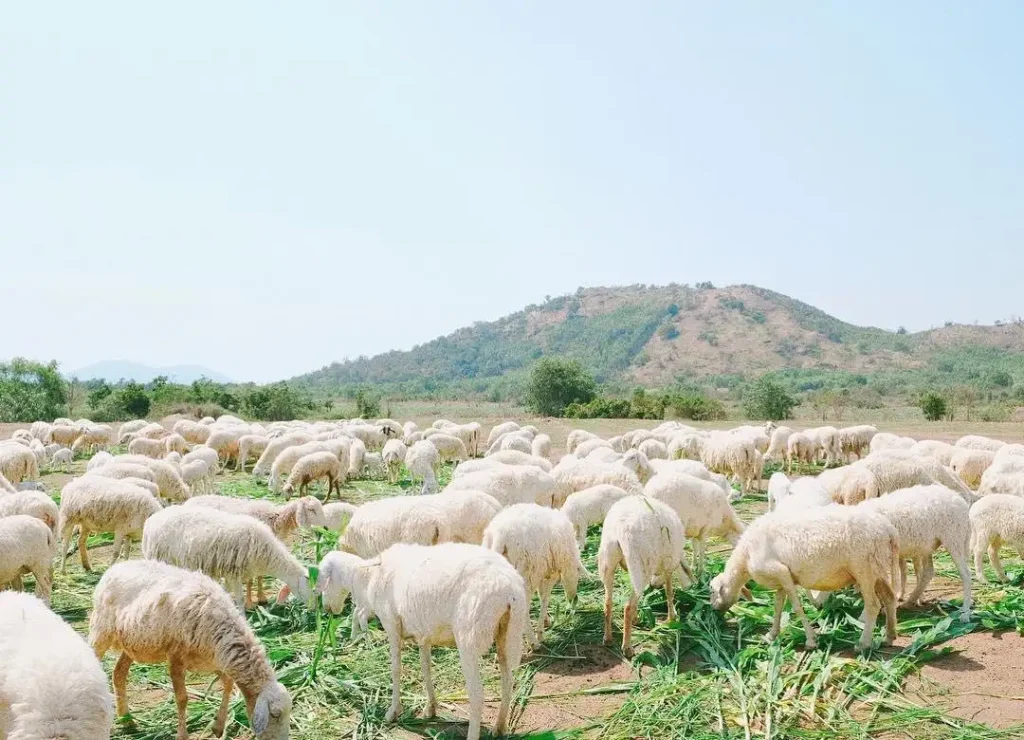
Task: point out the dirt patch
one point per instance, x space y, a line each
983 681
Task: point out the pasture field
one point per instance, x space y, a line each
707 675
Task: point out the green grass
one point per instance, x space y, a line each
707 675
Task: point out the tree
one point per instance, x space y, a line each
99 394
933 405
766 399
133 399
555 383
820 403
367 403
838 401
30 391
76 396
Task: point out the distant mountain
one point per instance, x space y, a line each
659 335
114 370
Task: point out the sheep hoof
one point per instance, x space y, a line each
430 711
627 652
812 644
392 716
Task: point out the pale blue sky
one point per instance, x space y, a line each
264 188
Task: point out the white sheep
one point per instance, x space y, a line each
41 431
18 463
735 455
152 612
337 515
778 489
393 457
589 507
95 437
646 538
313 467
95 504
511 484
194 432
1005 475
698 470
33 503
62 460
423 461
453 593
927 518
356 458
800 448
541 446
977 442
451 448
51 684
521 439
891 470
166 476
779 444
970 464
275 448
689 445
576 438
121 470
149 447
64 435
826 442
234 548
653 449
996 520
855 440
505 457
249 445
941 451
377 525
541 545
825 549
886 441
285 462
130 427
26 546
572 475
702 507
205 454
587 447
284 519
197 475
500 429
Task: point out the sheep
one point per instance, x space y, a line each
248 445
356 458
234 548
130 427
510 484
589 507
51 684
825 549
275 448
886 441
942 452
193 432
653 449
702 507
735 455
541 446
605 455
175 443
167 478
468 433
196 475
778 489
26 546
41 431
587 447
855 440
926 518
225 441
61 460
368 434
377 525
800 449
452 593
95 437
122 470
576 438
206 455
98 460
758 436
541 545
422 461
312 467
779 444
1009 451
572 475
646 538
515 442
1005 475
152 612
826 441
689 445
95 504
500 429
637 462
18 463
408 429
338 515
996 519
286 461
970 464
64 436
33 503
881 473
153 448
634 437
505 457
450 447
977 442
393 457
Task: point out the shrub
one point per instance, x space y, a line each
697 407
556 383
644 406
902 330
277 402
933 405
766 399
599 408
367 404
668 332
133 399
758 317
708 336
30 391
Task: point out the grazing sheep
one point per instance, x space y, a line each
26 546
32 503
95 437
98 460
249 445
800 449
166 476
368 434
826 443
18 463
500 429
175 444
193 432
96 504
453 593
855 440
758 436
942 452
778 489
587 447
450 448
122 470
62 460
41 431
393 456
51 684
886 441
410 428
541 446
505 457
927 518
735 455
977 442
702 507
778 447
356 458
653 449
576 438
422 461
891 470
637 462
130 427
225 441
196 475
589 507
6 486
234 548
206 455
970 464
1005 475
510 484
152 612
824 549
64 436
572 475
541 545
646 538
286 461
996 520
313 467
377 525
275 448
338 515
517 442
153 448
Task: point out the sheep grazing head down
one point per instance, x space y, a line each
271 713
338 577
724 594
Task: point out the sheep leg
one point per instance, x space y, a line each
475 692
979 559
428 683
44 584
780 602
501 724
965 576
222 714
699 555
997 564
542 618
608 613
628 615
180 695
901 587
870 616
248 594
261 596
83 551
925 570
395 638
121 683
118 544
670 598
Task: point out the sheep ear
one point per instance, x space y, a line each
322 583
261 715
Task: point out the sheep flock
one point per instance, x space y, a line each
210 550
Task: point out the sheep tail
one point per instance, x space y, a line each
511 628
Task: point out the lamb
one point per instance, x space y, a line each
32 503
248 445
926 518
970 464
453 593
234 548
589 507
576 438
653 449
500 429
18 463
393 457
275 448
511 484
778 447
702 507
799 448
152 612
312 467
175 443
95 437
735 455
825 549
541 446
942 452
541 545
572 475
855 440
153 448
422 461
61 460
26 546
450 448
338 515
286 461
996 520
646 538
98 460
95 504
356 458
193 432
977 442
51 684
167 478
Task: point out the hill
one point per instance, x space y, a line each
660 336
114 370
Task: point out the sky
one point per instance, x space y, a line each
264 188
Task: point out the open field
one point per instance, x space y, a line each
705 676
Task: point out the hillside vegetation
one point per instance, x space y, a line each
665 336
